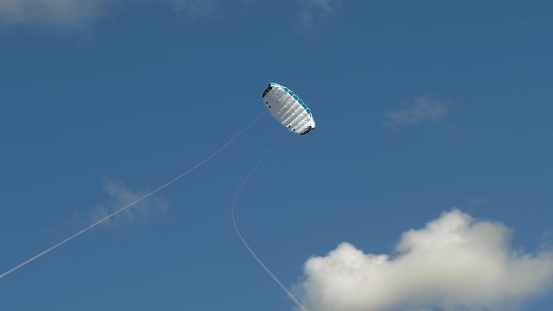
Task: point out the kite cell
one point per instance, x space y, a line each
288 109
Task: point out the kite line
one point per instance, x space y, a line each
132 203
296 300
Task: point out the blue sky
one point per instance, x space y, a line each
433 133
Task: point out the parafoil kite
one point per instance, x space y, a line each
288 109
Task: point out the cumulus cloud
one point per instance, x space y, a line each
454 263
420 110
121 196
79 14
75 14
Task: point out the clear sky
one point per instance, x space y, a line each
433 149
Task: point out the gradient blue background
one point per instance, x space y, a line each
144 92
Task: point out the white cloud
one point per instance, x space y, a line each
121 196
76 14
420 110
79 14
454 263
55 13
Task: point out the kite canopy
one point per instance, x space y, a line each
288 109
